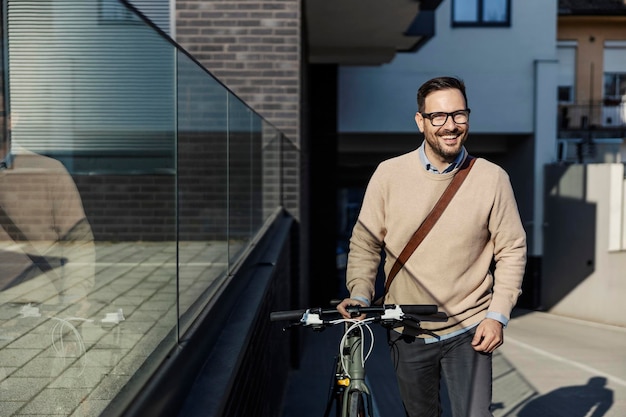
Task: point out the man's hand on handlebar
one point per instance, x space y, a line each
341 308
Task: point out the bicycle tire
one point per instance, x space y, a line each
356 405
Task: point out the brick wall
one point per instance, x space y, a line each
215 193
251 46
129 207
254 48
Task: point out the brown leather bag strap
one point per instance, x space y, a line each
430 220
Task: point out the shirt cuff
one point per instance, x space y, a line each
497 316
362 299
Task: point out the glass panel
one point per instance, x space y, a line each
465 11
495 10
4 101
202 186
256 174
271 170
290 167
613 109
621 86
134 179
240 186
567 65
564 94
88 203
610 86
94 94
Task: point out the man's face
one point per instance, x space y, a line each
443 143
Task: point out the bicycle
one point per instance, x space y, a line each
349 390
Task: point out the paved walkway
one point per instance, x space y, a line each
575 368
549 366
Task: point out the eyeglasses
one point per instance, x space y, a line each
459 117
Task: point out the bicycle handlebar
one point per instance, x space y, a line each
425 312
287 315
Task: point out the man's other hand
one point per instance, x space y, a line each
489 336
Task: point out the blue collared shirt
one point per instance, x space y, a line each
431 168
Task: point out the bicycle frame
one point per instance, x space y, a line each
351 393
353 347
349 376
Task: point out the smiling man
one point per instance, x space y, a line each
448 128
452 267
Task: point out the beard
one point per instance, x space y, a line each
439 148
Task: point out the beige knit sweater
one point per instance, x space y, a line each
451 267
41 200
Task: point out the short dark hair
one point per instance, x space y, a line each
436 84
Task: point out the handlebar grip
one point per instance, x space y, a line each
286 315
423 309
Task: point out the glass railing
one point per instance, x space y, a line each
596 115
134 184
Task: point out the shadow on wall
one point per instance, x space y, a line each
569 233
573 401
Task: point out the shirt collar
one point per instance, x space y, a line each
431 168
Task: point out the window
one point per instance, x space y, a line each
566 53
481 13
614 87
565 94
614 102
614 72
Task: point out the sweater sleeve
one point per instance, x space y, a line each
509 240
366 244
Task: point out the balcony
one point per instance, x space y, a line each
137 190
606 115
376 32
592 132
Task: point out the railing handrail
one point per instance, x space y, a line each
591 115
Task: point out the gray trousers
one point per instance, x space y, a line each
420 368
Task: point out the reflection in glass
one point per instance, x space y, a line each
131 183
47 280
480 11
465 10
88 204
495 10
271 167
241 147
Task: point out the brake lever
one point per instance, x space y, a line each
290 325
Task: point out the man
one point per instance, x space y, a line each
46 242
451 268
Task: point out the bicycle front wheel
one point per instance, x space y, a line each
356 405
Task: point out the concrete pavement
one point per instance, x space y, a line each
576 368
549 366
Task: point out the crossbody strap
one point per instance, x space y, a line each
430 220
18 236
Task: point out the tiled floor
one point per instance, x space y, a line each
70 359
